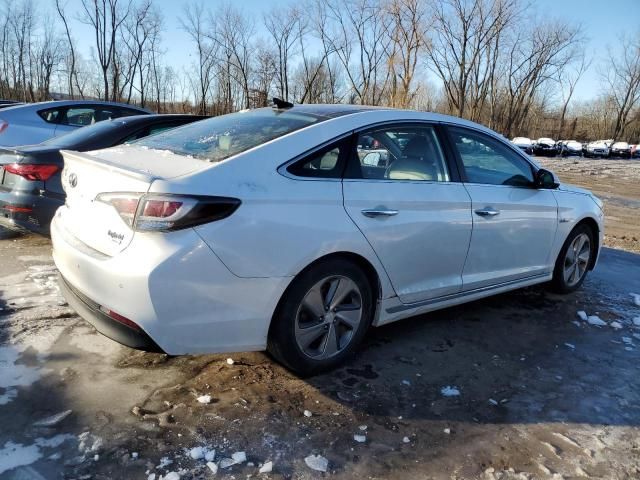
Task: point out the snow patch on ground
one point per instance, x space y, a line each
450 391
14 455
13 374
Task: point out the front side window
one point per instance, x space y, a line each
401 153
218 138
486 161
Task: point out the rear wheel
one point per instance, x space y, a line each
322 317
574 260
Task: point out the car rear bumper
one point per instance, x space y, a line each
173 287
91 312
27 212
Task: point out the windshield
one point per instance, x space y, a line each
222 137
81 135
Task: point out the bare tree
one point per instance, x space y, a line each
407 42
622 79
106 18
71 70
194 24
285 35
568 80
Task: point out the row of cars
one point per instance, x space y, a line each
547 147
31 140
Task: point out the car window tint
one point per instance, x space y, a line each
161 128
487 161
324 163
51 115
218 138
79 116
401 153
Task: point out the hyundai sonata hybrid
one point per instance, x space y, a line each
295 229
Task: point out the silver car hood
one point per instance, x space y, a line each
567 187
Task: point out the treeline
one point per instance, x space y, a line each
491 61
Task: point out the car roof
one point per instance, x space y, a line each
67 103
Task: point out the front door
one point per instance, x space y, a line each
514 223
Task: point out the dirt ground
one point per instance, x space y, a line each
617 183
513 387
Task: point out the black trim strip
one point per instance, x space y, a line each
452 296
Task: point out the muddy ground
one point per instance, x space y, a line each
541 393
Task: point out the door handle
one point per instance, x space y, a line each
487 212
379 212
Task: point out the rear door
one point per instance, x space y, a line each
514 223
403 196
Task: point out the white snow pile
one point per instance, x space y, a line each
636 321
449 391
266 468
236 459
202 453
360 438
616 325
317 463
205 399
89 443
53 419
307 413
14 455
591 319
14 374
636 299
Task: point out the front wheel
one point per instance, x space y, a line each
574 260
322 317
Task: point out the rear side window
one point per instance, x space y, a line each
51 115
218 138
328 162
487 161
79 116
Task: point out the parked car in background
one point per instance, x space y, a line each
620 149
570 148
36 122
161 242
599 148
9 103
523 143
30 187
545 147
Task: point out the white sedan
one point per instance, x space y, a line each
265 229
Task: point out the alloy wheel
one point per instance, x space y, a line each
328 317
576 260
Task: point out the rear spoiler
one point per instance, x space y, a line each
107 165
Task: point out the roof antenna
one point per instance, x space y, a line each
279 103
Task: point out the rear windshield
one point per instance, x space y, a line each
222 137
83 134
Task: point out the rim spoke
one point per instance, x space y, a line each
576 274
584 257
350 318
331 342
306 336
314 303
342 289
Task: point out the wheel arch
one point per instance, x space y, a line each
595 229
367 267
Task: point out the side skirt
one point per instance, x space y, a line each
393 310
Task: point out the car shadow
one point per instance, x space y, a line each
519 357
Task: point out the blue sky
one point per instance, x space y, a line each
602 21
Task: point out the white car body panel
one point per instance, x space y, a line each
514 244
215 287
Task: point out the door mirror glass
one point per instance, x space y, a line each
546 179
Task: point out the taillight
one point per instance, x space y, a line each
3 125
164 212
32 172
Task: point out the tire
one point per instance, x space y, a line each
570 270
306 337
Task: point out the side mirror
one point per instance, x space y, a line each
546 179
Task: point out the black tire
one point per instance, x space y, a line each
282 343
559 284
